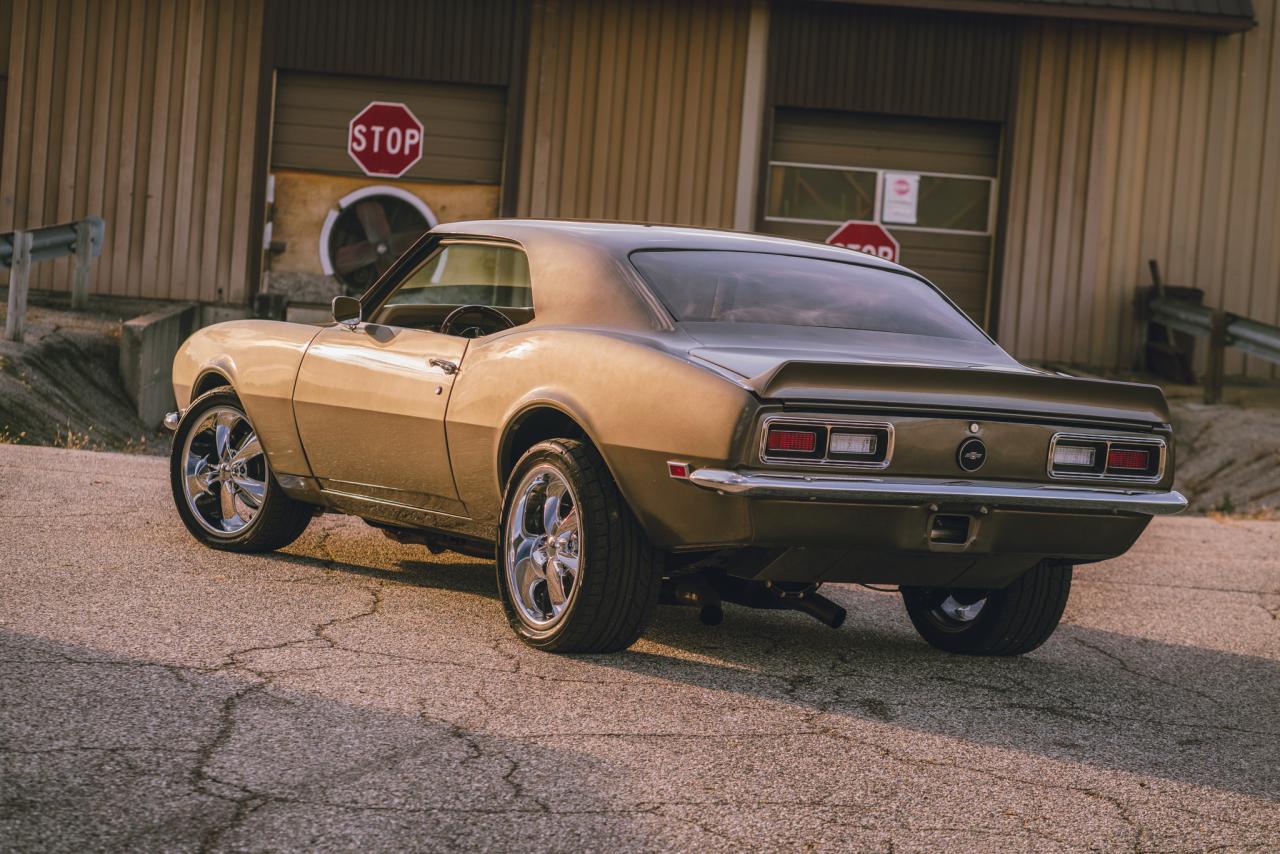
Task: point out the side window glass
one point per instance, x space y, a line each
469 274
462 274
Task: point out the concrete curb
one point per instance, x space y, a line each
147 347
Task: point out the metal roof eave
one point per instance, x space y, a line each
1203 15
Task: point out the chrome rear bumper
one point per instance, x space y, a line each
791 486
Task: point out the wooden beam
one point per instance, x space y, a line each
19 273
80 272
1216 361
751 136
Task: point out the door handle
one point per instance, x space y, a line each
444 365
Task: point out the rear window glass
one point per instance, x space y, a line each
702 286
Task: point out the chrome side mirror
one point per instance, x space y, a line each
346 310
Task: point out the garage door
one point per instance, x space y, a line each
826 168
335 229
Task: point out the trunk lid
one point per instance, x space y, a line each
887 370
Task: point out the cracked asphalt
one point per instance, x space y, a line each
356 693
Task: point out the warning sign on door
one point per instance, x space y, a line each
901 197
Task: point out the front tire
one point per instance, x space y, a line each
575 571
222 483
1010 621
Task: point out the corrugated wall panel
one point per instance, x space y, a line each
460 41
633 110
6 22
1133 144
145 113
908 62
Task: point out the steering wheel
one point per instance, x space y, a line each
473 331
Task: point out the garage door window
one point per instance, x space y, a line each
818 194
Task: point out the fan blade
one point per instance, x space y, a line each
353 256
374 221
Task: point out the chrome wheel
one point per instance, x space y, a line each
224 471
543 547
955 611
961 612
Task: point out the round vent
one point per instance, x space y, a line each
367 231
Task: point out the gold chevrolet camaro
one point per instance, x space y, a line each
620 415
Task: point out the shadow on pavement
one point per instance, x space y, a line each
103 753
1109 700
1115 701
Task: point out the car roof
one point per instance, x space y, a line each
623 238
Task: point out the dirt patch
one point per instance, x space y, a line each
1229 457
62 386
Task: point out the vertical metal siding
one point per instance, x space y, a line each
632 110
1132 144
890 60
144 112
6 24
458 41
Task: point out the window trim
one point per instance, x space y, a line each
992 197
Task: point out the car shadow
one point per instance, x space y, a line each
103 752
463 575
1110 700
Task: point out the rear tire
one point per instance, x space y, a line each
203 466
575 571
1010 621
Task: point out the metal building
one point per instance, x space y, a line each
1049 147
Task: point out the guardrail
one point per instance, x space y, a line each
20 249
1222 328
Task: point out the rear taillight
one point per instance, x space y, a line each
1133 459
1078 457
792 440
1066 455
1128 460
843 443
858 444
1087 456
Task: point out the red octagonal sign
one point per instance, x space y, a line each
869 237
385 138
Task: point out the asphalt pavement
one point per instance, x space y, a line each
351 692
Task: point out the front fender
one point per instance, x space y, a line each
260 359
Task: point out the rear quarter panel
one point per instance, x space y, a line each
640 405
260 360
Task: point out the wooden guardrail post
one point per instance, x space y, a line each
80 272
19 272
1215 362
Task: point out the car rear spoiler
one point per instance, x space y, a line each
962 389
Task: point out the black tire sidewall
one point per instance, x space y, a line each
971 638
1015 619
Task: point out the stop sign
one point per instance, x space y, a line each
869 237
385 138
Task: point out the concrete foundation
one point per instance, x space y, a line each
147 347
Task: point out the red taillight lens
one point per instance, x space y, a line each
1128 460
799 441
